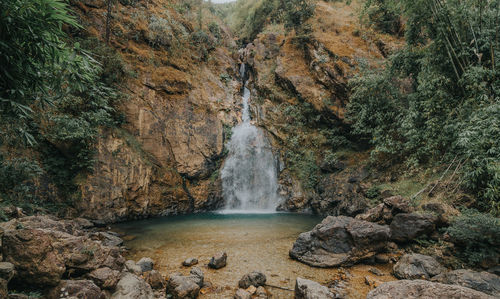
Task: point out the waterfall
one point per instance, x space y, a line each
249 175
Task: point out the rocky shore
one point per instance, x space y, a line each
78 258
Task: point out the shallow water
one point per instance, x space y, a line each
252 242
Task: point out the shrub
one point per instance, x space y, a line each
477 235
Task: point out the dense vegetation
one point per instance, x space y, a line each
437 102
54 100
248 18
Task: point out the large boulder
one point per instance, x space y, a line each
43 249
308 289
340 241
131 286
417 266
218 261
480 281
415 289
408 226
253 278
76 289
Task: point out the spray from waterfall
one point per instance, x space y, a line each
249 176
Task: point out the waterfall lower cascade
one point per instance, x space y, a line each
249 176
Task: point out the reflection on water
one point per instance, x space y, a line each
252 242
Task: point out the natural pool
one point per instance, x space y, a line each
252 242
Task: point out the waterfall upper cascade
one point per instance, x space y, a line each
249 176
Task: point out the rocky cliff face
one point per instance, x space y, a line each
183 93
183 96
301 88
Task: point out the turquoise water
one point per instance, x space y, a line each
252 242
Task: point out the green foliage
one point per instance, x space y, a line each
249 18
383 15
31 51
214 28
17 178
438 98
477 235
297 12
54 100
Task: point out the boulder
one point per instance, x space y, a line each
132 287
43 249
414 289
76 289
146 264
179 286
340 241
105 278
408 226
308 289
218 260
480 281
155 279
190 262
254 278
417 266
242 294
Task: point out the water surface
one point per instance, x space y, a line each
252 242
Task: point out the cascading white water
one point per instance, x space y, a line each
249 176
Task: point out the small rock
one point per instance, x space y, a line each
131 286
308 289
190 262
197 276
133 268
76 289
105 278
376 271
382 258
179 286
109 239
242 294
6 271
155 279
251 290
417 266
371 282
146 264
261 293
254 278
218 260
